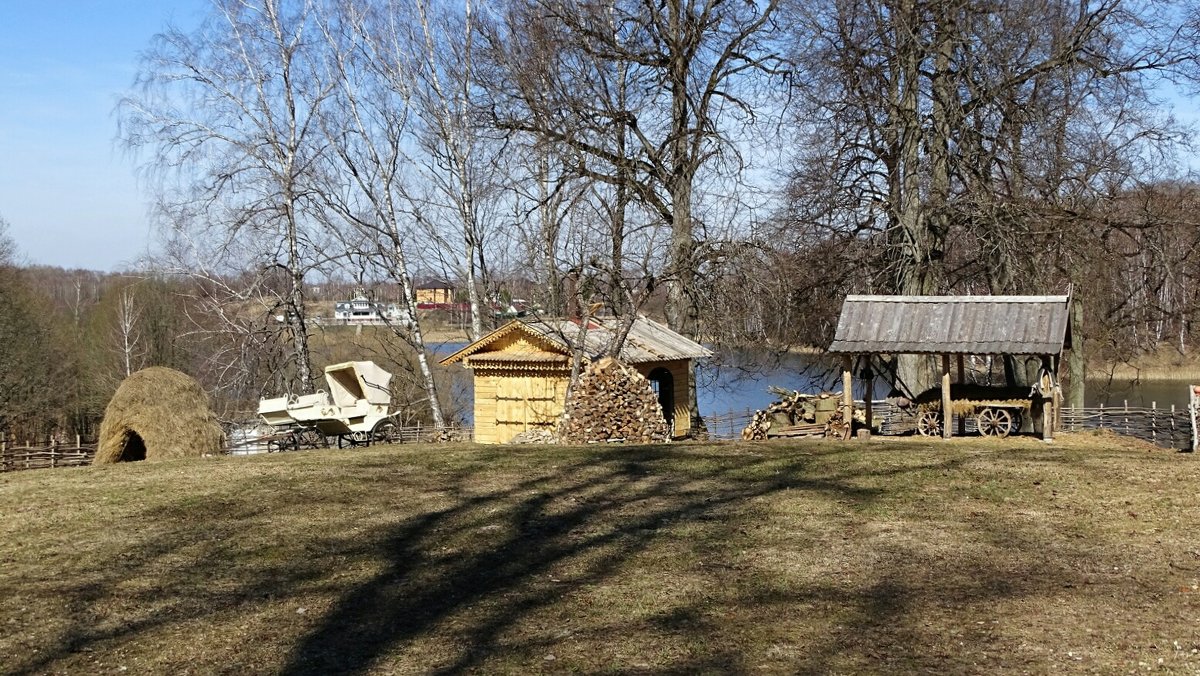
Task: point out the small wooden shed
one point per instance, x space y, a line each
522 369
955 326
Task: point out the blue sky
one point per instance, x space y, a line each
67 190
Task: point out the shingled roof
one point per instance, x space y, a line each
1033 325
648 341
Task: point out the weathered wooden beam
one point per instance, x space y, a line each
962 379
848 390
947 413
869 394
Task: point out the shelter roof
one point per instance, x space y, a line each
647 341
1034 325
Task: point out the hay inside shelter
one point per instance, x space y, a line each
965 398
158 413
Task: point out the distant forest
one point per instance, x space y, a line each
733 167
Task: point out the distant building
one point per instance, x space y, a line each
362 310
435 292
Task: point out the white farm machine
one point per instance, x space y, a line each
355 410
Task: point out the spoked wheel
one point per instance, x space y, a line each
385 432
929 423
995 422
311 437
354 439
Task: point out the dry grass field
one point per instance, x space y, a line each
870 557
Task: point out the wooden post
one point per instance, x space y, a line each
1154 422
868 406
848 391
947 414
1049 404
962 379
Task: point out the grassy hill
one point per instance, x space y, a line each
886 557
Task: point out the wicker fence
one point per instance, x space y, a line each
1166 427
15 457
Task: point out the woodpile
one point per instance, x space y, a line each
612 402
537 435
796 414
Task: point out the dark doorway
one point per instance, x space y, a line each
664 386
132 447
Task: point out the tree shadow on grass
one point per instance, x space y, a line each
477 578
593 519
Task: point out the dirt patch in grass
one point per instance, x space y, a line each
958 557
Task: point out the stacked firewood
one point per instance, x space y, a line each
538 435
612 402
796 414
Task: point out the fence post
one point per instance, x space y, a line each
54 451
1154 422
1173 424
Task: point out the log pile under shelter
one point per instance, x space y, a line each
797 414
613 402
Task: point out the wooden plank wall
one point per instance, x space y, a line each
508 402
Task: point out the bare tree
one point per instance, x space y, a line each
369 133
127 331
951 131
228 114
643 94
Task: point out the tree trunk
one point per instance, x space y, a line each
295 312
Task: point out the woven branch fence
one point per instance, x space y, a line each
1166 427
15 457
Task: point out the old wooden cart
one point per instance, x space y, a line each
355 410
997 411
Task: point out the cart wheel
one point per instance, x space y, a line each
344 441
311 437
273 446
929 423
995 422
385 432
360 438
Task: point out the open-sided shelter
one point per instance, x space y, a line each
955 326
522 369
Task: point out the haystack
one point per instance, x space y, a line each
158 413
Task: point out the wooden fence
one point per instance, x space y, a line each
15 457
1166 427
